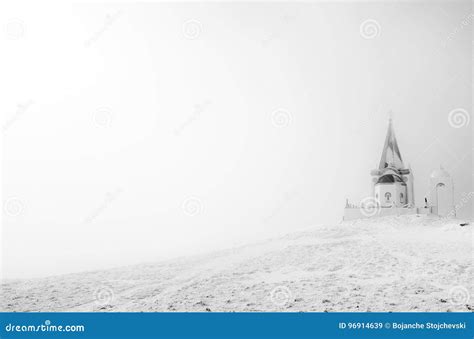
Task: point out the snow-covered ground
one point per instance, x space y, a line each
406 263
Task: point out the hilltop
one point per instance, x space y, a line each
405 263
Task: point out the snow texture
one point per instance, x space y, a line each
405 263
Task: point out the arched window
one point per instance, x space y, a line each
401 197
388 195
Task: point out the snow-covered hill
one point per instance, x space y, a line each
406 263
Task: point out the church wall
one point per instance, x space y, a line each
410 190
389 195
442 196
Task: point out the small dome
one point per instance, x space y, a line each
439 173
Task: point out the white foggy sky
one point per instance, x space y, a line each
254 180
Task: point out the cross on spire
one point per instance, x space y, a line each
390 115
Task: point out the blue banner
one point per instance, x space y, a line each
237 325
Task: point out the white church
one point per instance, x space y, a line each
393 188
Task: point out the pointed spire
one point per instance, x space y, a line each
391 153
390 115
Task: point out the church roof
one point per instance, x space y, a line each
389 178
391 156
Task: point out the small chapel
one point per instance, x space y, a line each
393 188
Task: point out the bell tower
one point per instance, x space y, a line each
393 183
442 193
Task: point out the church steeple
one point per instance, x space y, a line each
390 179
391 156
